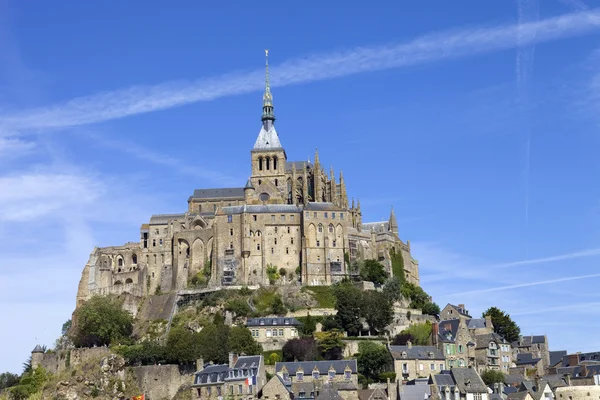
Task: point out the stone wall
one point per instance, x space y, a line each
351 346
314 312
162 382
61 360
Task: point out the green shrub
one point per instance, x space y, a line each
238 306
384 376
272 274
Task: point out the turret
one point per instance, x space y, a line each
248 190
37 355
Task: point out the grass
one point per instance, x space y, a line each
322 294
263 298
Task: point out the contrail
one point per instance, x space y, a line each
522 285
426 49
527 12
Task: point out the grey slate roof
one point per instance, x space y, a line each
448 330
526 341
267 140
518 395
220 372
526 359
414 392
476 323
298 165
468 381
328 393
325 206
37 349
279 321
379 227
161 219
323 366
212 374
219 193
264 209
416 353
461 311
244 362
249 184
483 341
557 356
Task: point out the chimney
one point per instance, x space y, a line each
538 384
199 364
409 344
435 330
233 357
488 322
501 390
568 379
573 360
461 307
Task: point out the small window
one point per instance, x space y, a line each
315 374
315 214
288 229
230 218
275 240
348 375
153 242
292 217
275 229
432 367
320 228
307 215
282 217
230 231
218 390
231 245
160 242
258 247
318 243
330 228
333 243
331 375
272 218
299 376
276 182
157 231
332 215
287 250
254 217
291 240
325 214
281 332
272 250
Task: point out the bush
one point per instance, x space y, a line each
373 271
238 306
384 376
272 274
282 272
273 356
101 321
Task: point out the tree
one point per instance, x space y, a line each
101 321
372 359
373 271
430 308
8 379
309 325
348 303
392 289
183 345
214 343
300 349
420 333
402 339
242 342
277 306
66 326
491 376
377 311
239 307
31 382
503 324
329 323
330 344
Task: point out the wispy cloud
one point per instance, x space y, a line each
585 306
426 49
528 284
577 4
542 260
10 148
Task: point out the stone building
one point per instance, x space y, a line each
273 333
411 362
492 351
532 347
242 378
455 341
290 215
458 384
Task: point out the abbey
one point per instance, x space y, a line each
290 215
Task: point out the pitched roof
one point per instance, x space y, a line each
244 362
328 393
476 323
279 321
322 206
460 310
557 356
219 193
526 341
161 219
212 374
322 366
468 381
379 227
297 165
416 353
414 392
518 395
483 341
366 394
526 359
37 349
267 140
448 330
258 209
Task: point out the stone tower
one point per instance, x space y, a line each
37 355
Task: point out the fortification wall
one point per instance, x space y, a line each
63 359
314 312
162 381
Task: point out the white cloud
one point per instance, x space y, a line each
35 194
426 49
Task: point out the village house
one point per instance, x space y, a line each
492 351
454 339
537 347
273 333
313 379
412 362
242 378
458 384
454 312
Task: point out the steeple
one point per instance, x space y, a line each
268 118
393 224
317 163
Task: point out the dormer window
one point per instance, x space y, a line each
404 355
331 374
315 374
299 376
262 322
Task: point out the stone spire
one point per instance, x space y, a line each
268 118
393 224
343 195
317 163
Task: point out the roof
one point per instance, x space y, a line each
448 330
476 323
298 165
267 140
366 394
468 381
212 374
525 341
414 392
381 226
258 209
460 310
557 356
219 193
244 362
322 206
249 184
518 395
322 366
279 321
483 341
37 349
526 359
161 219
328 393
416 353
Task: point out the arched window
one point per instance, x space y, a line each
118 283
320 228
251 233
260 163
134 259
330 228
268 162
120 262
128 280
258 233
275 165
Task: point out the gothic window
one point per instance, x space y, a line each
275 167
258 233
320 228
330 228
268 162
134 259
251 233
120 262
260 163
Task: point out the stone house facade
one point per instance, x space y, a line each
411 362
492 351
536 346
458 384
242 378
273 333
290 215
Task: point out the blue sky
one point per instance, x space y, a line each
478 121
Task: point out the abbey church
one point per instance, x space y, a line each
289 215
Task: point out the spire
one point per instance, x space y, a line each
393 224
267 115
317 163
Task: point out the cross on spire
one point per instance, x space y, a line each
267 115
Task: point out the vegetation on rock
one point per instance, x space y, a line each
101 321
503 324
